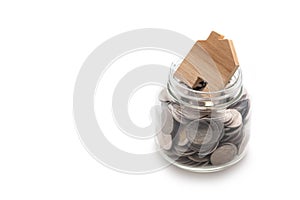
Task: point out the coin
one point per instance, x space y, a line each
202 131
165 141
181 139
182 160
193 113
237 139
195 164
207 149
168 152
223 154
227 117
204 149
232 135
191 163
182 150
236 120
184 113
176 126
243 106
195 157
177 115
205 164
232 132
166 122
164 96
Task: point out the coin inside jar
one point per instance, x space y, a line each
243 106
202 131
181 136
165 141
223 154
166 121
177 114
196 158
236 118
163 96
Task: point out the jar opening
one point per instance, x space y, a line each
191 97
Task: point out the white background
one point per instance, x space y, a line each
42 47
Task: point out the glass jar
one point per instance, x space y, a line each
203 131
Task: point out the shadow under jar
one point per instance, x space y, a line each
200 131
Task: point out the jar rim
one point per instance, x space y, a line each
232 89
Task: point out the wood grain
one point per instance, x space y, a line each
213 60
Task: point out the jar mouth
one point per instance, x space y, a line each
186 95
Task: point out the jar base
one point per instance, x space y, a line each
206 169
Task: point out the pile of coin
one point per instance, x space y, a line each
196 138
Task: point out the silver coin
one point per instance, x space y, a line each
232 131
181 139
195 164
194 147
205 164
167 124
182 150
189 113
233 135
176 127
224 116
193 113
183 160
196 158
191 163
244 95
227 117
237 139
165 141
223 154
202 131
164 96
237 119
168 152
177 115
207 149
243 106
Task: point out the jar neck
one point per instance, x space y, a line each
186 96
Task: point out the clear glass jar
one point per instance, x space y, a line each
203 131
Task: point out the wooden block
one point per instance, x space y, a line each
188 74
223 54
213 60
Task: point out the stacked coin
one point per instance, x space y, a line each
196 137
